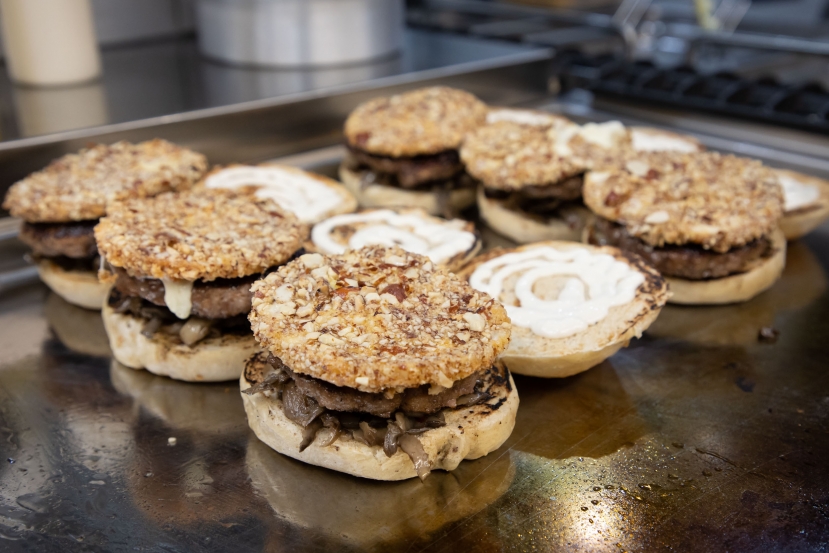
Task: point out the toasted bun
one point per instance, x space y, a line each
324 501
79 288
534 355
211 360
469 433
800 222
80 330
378 195
524 227
735 288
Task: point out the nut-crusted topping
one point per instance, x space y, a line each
202 234
424 121
78 187
507 155
412 229
376 319
706 198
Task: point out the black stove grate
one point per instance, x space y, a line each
764 99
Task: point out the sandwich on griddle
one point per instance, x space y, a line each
61 204
707 222
531 168
182 266
377 363
403 150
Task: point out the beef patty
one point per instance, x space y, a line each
412 400
75 239
217 299
411 172
691 262
565 189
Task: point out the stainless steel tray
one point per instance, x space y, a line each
695 438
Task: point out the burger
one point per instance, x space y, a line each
377 363
450 243
707 222
308 196
403 150
805 202
181 267
61 204
571 305
531 166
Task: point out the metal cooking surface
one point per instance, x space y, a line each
696 438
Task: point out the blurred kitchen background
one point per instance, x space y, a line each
760 59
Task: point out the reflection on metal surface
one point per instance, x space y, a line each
802 282
80 330
51 110
209 408
368 514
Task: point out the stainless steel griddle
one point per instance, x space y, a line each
698 437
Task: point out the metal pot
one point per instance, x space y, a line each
299 32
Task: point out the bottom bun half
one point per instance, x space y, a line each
80 288
533 355
210 360
734 288
469 433
525 228
379 195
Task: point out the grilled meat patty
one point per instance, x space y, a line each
412 400
411 172
688 261
217 299
75 239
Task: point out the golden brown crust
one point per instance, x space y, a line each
78 187
506 155
420 122
714 200
202 234
376 319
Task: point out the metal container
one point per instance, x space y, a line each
299 32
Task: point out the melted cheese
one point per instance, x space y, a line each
796 193
178 297
592 284
294 190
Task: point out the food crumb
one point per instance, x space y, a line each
171 441
768 335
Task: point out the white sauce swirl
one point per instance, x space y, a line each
605 135
522 117
796 193
439 241
594 282
301 194
654 141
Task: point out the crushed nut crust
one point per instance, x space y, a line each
78 187
510 156
198 235
710 199
377 319
424 121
